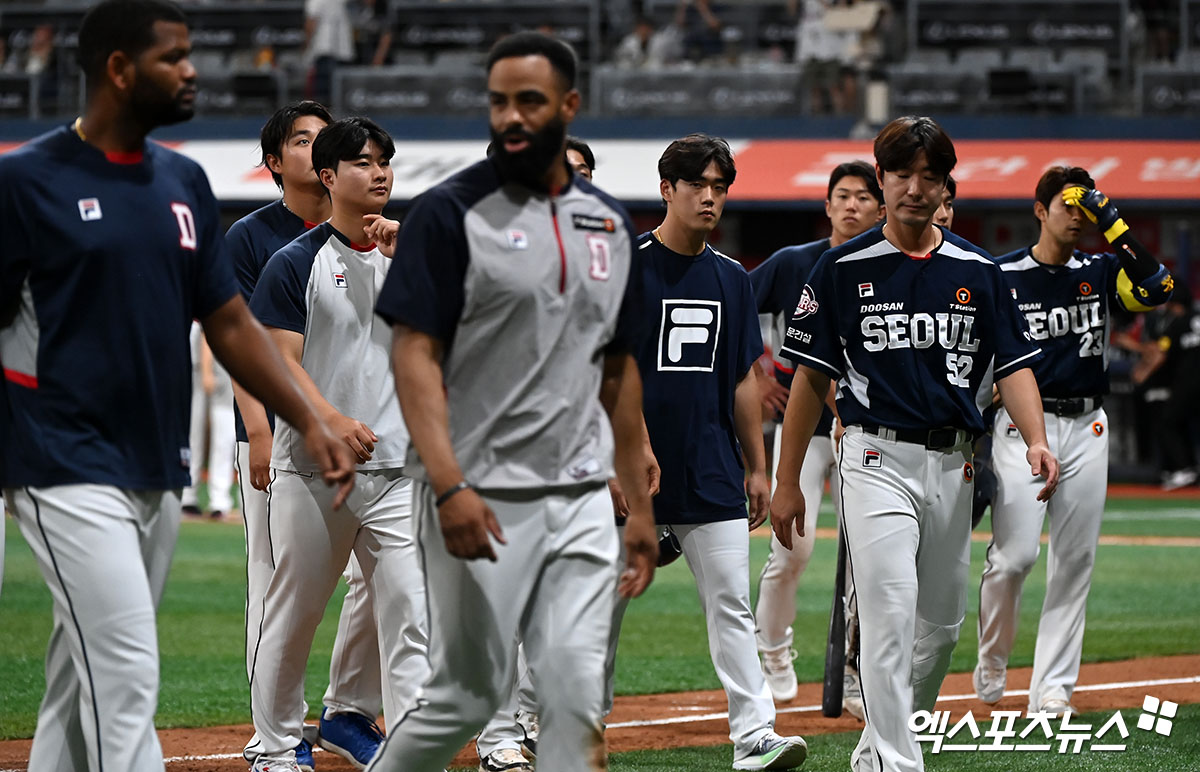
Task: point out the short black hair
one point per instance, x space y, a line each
120 25
1054 179
343 141
855 169
581 147
951 187
278 128
899 143
687 158
559 53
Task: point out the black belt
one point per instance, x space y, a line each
932 439
1071 407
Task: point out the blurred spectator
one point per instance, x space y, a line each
376 28
702 30
650 48
8 64
1173 368
831 55
41 62
329 41
1160 18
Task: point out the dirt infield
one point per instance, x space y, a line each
697 718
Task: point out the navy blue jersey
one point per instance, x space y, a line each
915 343
104 262
702 338
1067 310
252 240
777 283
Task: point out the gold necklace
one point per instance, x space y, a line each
79 128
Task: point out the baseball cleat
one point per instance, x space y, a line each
774 752
1056 707
505 760
989 683
304 759
779 672
529 724
352 736
852 701
285 762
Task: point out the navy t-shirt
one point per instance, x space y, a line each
777 283
914 342
104 263
701 339
252 240
1067 309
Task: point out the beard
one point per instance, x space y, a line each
155 108
530 165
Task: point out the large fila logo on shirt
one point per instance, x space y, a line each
688 335
187 225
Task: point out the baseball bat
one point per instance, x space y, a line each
835 646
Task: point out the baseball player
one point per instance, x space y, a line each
212 408
111 249
580 158
702 414
944 216
517 269
354 698
1067 296
854 204
914 322
317 296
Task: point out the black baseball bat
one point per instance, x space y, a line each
835 646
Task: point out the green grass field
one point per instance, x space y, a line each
1143 602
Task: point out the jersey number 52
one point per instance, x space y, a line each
958 367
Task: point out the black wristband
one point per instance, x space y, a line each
453 489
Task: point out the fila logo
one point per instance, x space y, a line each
339 280
517 239
807 304
872 459
89 209
187 225
600 265
866 290
688 335
1011 430
1014 293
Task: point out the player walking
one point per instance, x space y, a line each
111 249
853 204
354 697
1066 295
702 413
317 297
913 322
515 269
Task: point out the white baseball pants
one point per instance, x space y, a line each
503 731
104 553
1081 446
551 586
311 544
907 519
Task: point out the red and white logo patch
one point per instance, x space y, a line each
187 225
600 266
1097 428
872 459
339 280
1011 430
808 303
968 472
89 209
866 290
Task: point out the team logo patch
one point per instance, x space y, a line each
968 472
872 459
89 209
600 266
1085 288
963 295
584 222
808 303
517 239
1011 430
1014 293
1097 428
688 335
339 280
866 290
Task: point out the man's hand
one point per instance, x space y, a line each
620 503
641 556
758 492
1042 463
260 462
333 457
467 521
382 231
357 435
787 507
774 394
1098 208
838 430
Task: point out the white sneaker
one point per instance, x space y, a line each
852 693
283 763
505 760
1179 479
774 752
528 722
989 683
779 672
1056 707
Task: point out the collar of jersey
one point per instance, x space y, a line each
540 191
342 238
121 159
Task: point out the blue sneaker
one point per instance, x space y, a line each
352 736
304 758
